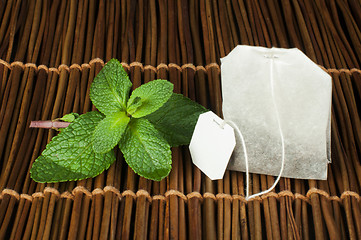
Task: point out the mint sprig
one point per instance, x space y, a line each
144 126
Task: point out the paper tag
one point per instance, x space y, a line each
212 145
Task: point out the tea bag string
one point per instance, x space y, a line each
244 144
229 122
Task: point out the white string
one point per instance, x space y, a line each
244 144
229 122
281 133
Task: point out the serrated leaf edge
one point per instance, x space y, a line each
75 179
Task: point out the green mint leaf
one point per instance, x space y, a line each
152 96
109 132
135 104
69 117
145 151
109 91
176 119
70 156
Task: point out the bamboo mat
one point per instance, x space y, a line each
50 52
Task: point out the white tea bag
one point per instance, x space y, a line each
281 102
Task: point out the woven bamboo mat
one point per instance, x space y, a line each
50 52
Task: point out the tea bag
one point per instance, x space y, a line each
281 103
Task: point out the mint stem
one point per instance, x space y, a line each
48 124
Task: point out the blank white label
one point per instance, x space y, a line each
212 144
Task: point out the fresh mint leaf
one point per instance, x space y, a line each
108 132
145 151
135 104
70 156
109 91
152 96
70 117
176 119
